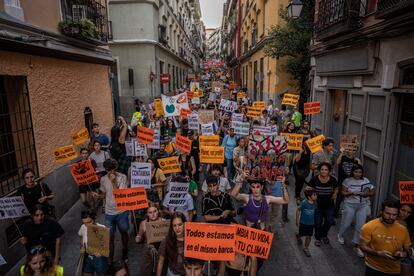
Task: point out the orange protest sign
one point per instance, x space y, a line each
290 99
159 110
253 242
169 164
130 199
295 141
183 143
209 241
145 135
241 95
190 94
212 155
312 108
210 140
83 173
315 144
64 154
184 113
254 112
232 86
80 136
259 105
407 192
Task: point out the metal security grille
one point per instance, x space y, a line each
17 146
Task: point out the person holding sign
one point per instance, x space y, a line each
158 178
172 247
229 143
184 205
38 263
326 155
169 129
117 148
301 169
84 189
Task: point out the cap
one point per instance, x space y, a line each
256 181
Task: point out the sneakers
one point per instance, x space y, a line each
359 252
340 239
325 240
307 252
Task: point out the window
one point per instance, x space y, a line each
169 83
17 146
408 76
161 72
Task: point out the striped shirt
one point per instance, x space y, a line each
324 191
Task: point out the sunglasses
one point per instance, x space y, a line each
37 250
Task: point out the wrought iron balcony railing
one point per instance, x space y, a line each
389 8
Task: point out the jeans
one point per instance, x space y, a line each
351 211
230 169
120 220
323 221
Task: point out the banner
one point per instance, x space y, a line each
406 192
349 142
64 154
184 113
13 207
83 173
212 140
290 99
209 241
261 105
133 148
141 175
241 128
183 143
254 112
169 165
98 240
193 121
80 136
253 242
176 197
145 135
159 111
212 155
206 116
156 143
312 108
295 141
173 105
227 106
156 231
130 199
207 129
315 144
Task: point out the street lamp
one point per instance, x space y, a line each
294 8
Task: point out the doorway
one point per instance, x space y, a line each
339 112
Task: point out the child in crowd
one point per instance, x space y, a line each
305 218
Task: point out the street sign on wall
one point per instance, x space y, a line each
165 78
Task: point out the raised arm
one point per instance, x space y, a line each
235 193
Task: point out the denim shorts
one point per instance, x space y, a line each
120 220
93 264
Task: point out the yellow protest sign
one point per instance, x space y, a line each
315 144
295 141
211 140
212 155
290 99
64 154
80 136
259 105
169 164
254 112
159 110
241 95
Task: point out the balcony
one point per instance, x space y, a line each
390 8
86 20
336 17
245 46
162 35
254 37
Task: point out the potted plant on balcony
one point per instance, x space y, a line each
84 29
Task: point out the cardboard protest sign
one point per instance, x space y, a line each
265 130
12 207
406 192
209 241
98 240
184 113
141 175
193 121
315 143
259 105
207 129
290 99
159 110
83 173
295 141
241 128
254 112
212 155
64 154
156 143
206 116
81 136
145 135
349 142
130 199
156 231
173 105
212 140
312 108
253 242
183 143
176 197
169 164
227 106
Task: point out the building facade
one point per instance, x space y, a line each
363 74
214 43
54 80
152 38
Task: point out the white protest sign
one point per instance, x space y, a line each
12 207
129 146
141 175
193 121
212 96
195 100
173 105
176 196
140 149
241 128
237 117
156 143
207 129
227 106
217 89
264 131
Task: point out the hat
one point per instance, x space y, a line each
256 181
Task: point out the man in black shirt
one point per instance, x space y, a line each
217 206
